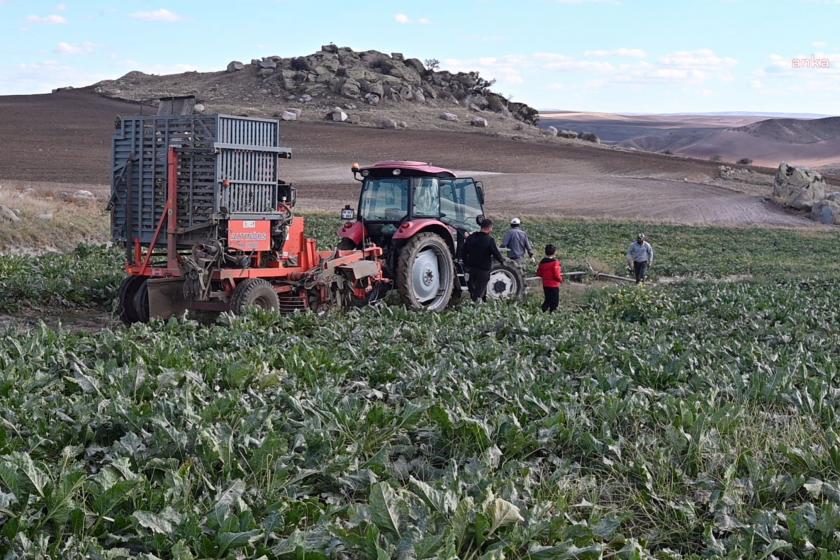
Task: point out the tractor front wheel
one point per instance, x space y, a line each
254 292
426 273
506 281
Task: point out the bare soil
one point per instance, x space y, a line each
65 138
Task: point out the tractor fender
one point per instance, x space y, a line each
354 231
409 229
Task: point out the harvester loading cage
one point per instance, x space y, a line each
226 168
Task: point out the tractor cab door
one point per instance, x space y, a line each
461 203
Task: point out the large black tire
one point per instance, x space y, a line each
125 299
141 302
254 292
426 273
506 281
347 244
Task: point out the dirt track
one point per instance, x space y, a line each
65 138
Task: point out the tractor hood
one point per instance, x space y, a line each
387 168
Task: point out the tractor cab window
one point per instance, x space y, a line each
426 199
460 204
384 199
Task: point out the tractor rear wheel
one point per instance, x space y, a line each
254 292
426 273
125 299
506 281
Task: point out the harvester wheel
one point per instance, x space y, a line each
254 292
125 299
141 302
426 273
506 281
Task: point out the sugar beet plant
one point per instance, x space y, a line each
691 421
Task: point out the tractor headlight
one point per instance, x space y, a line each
396 171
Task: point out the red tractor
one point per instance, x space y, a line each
420 215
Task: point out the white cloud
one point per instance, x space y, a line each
406 20
74 48
819 44
61 7
622 52
161 14
52 19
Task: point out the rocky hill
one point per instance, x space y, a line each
338 83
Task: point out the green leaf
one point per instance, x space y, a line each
383 508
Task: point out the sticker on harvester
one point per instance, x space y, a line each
249 235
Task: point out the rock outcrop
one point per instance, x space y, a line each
329 77
827 210
798 187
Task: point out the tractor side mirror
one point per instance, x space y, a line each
479 219
479 189
348 214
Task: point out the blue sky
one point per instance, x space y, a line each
595 55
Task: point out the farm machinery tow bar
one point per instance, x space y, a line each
208 225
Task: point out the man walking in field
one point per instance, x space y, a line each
479 251
517 243
640 257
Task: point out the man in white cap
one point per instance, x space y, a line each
517 243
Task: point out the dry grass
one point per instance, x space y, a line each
47 221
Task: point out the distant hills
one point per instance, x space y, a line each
808 139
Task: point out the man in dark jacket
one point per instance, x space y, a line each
479 251
551 272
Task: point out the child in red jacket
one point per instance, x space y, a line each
551 272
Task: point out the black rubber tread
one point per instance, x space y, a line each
516 271
141 302
249 291
347 244
408 253
125 299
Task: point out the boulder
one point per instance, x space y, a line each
589 137
798 187
567 134
305 98
496 103
402 124
827 210
235 66
350 88
397 56
199 108
338 115
331 48
82 196
268 64
265 72
372 87
416 65
452 117
419 96
549 131
387 123
288 116
479 122
8 215
372 99
295 110
401 71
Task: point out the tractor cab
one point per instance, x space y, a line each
420 216
408 195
